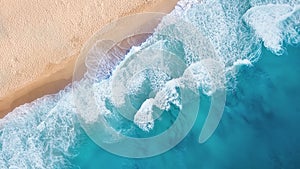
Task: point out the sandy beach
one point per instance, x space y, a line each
40 42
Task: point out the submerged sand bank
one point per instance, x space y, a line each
39 43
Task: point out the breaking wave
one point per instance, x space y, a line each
45 133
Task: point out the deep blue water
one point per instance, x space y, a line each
257 42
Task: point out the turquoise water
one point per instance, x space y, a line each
259 127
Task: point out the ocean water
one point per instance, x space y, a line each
257 45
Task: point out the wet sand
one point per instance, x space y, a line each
48 76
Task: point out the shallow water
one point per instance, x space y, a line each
262 112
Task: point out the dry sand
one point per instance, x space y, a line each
40 41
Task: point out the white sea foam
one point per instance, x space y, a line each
207 74
242 62
44 132
220 22
265 2
90 97
143 117
139 64
168 95
267 21
40 134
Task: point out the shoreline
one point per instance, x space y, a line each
56 77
